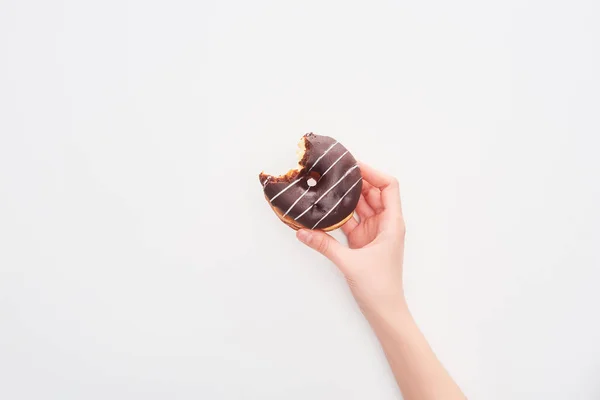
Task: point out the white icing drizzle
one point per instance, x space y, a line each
336 204
335 184
328 190
286 188
296 202
335 162
266 181
322 155
304 212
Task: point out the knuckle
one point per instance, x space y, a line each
403 231
401 226
322 246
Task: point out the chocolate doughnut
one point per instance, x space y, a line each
322 192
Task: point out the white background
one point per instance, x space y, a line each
139 259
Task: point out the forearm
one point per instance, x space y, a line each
372 265
417 370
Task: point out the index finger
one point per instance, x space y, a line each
374 177
390 189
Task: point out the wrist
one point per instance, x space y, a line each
387 310
391 318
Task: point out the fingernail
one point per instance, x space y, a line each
303 235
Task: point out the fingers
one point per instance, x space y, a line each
363 209
349 226
388 185
373 196
390 197
374 177
323 243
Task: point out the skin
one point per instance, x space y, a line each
372 265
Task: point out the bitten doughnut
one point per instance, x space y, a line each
322 192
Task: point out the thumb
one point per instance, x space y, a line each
323 243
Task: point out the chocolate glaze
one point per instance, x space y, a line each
336 193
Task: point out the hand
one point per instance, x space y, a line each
372 264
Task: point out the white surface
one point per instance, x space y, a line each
139 260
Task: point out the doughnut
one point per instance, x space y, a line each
322 192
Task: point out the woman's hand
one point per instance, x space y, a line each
372 264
